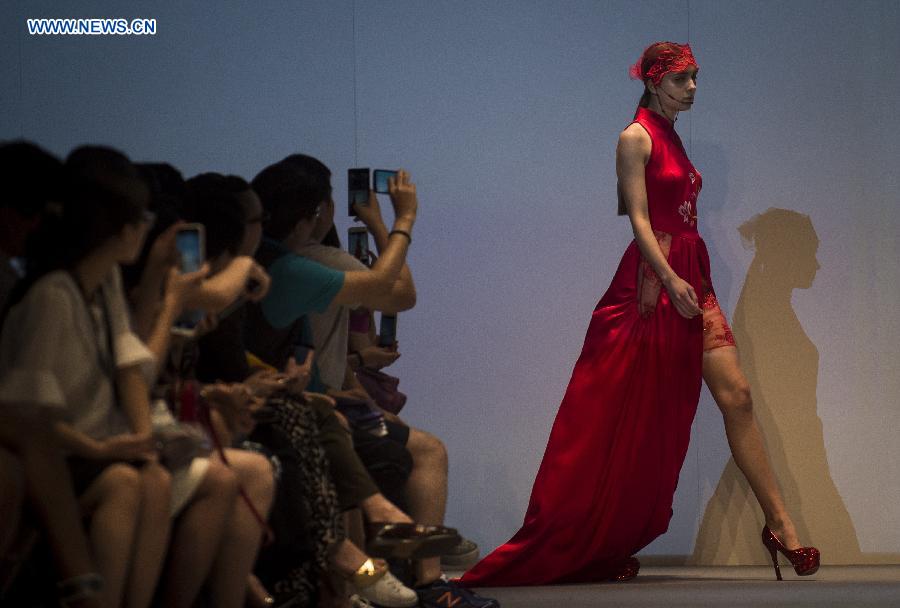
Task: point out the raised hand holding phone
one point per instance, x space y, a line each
403 196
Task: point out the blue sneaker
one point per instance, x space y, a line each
443 593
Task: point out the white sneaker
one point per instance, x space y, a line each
389 592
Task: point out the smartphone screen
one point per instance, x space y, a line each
357 187
189 242
358 244
387 331
380 180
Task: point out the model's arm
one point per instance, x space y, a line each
632 154
372 288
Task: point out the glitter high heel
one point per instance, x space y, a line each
805 560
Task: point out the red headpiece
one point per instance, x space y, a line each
673 57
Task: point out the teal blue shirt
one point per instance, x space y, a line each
299 286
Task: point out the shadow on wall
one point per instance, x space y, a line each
781 364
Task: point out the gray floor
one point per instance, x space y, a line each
738 586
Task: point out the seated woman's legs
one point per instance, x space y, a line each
151 537
243 534
197 536
112 502
50 494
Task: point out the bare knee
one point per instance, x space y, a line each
120 483
424 445
737 403
256 475
220 480
156 488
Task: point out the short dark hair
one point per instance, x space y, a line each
31 176
291 190
212 200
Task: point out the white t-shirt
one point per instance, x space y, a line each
330 329
54 353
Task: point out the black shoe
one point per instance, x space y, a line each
409 541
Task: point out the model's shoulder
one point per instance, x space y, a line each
634 133
635 139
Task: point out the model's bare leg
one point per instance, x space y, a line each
730 389
426 491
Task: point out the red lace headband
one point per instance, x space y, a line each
667 60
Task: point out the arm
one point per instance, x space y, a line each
402 295
632 154
373 287
223 288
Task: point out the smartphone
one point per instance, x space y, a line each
190 240
357 188
387 331
380 180
358 244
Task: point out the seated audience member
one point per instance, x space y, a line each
34 468
69 345
295 192
234 552
288 565
426 488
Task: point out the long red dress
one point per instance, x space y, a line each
604 489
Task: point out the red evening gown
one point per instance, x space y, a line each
604 489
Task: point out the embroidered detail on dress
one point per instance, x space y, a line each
687 213
691 176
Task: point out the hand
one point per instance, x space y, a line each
313 398
127 446
683 297
370 213
261 283
182 287
236 403
377 357
403 196
299 375
266 382
163 252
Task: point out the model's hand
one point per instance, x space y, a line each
683 297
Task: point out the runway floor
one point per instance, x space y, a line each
726 586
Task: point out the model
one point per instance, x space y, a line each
605 486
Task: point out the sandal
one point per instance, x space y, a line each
409 541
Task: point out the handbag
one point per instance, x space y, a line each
382 388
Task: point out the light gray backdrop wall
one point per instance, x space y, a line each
506 114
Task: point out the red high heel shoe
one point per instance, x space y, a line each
805 560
